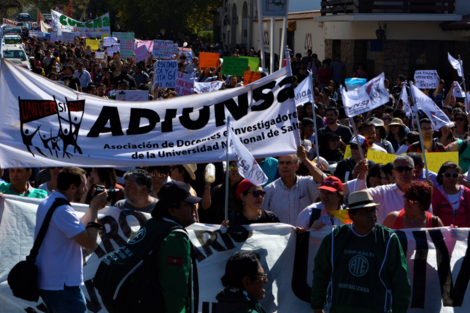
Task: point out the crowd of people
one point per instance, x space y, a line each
304 190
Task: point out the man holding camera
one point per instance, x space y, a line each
60 259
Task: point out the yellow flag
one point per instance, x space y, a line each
342 215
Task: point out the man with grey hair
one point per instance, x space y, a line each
138 189
390 197
288 195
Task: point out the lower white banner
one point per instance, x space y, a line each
438 263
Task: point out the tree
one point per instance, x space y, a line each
147 17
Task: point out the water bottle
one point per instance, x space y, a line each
210 173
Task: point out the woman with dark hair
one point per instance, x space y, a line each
374 178
243 283
461 124
307 111
329 147
249 202
213 201
418 197
386 174
108 80
96 75
451 201
445 135
396 132
104 177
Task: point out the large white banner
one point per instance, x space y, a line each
97 27
45 125
438 262
373 94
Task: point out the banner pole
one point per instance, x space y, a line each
272 59
351 120
226 172
317 149
419 130
464 86
261 35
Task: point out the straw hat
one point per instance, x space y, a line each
360 199
191 169
396 121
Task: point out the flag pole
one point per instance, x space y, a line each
226 173
419 130
464 86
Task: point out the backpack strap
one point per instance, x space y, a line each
463 146
314 216
45 225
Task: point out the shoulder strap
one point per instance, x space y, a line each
463 146
45 225
314 216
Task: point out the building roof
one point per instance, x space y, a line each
303 15
464 24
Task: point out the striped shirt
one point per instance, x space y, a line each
287 203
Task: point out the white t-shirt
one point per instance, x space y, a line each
303 219
454 200
60 259
378 148
44 187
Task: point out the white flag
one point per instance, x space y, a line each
373 94
458 92
248 168
405 100
429 107
207 87
304 92
458 65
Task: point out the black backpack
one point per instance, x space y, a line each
133 286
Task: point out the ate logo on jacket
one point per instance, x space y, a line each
358 266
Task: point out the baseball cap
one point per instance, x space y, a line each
332 183
360 141
243 186
176 190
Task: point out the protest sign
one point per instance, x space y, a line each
175 48
54 37
436 159
380 157
209 59
93 43
165 74
126 43
426 79
432 254
69 36
99 55
38 34
207 87
253 62
110 50
132 95
103 37
97 27
250 77
162 49
234 66
110 41
184 84
141 53
147 43
172 141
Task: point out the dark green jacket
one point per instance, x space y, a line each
237 302
367 272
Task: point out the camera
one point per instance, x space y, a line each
112 192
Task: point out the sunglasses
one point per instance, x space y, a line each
231 168
449 175
459 119
258 193
409 200
401 169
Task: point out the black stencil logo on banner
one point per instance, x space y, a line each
38 126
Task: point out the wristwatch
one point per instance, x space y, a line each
98 226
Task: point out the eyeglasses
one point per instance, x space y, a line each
258 193
262 276
409 200
231 168
401 169
459 119
449 175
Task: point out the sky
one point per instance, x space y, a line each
303 5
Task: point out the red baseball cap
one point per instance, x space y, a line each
243 186
331 183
